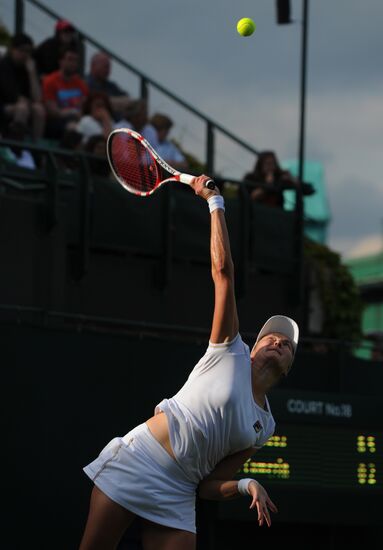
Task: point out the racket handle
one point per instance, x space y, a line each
210 184
187 178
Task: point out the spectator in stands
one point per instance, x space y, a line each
269 180
97 116
166 148
17 131
47 54
136 118
96 145
64 92
20 92
98 81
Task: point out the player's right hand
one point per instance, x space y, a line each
198 184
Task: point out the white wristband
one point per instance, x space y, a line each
216 201
243 486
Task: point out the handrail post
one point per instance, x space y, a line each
144 90
84 188
243 196
299 207
165 262
81 41
209 148
52 191
19 16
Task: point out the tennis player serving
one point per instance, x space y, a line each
199 438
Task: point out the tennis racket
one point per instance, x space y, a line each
138 167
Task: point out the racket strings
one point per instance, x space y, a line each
133 164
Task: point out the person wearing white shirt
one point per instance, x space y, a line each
136 118
166 148
200 437
96 116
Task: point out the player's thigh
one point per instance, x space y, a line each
107 521
160 537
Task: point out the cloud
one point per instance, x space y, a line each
351 248
345 41
356 207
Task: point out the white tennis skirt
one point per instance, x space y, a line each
138 473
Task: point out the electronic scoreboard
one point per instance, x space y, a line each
326 441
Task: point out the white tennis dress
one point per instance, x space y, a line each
212 416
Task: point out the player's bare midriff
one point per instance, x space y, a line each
159 428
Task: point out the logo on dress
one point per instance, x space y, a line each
257 426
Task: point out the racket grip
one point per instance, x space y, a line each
210 184
187 178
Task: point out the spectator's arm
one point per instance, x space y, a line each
103 117
287 177
35 88
257 194
55 111
52 108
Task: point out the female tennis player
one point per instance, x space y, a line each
199 438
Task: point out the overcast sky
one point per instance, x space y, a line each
251 85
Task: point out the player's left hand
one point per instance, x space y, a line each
262 502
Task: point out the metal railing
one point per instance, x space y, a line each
50 180
335 354
145 83
19 314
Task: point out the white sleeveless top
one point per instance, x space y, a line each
214 414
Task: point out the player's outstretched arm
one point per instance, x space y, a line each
225 319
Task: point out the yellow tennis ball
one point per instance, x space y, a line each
245 26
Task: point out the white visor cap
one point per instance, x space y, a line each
282 324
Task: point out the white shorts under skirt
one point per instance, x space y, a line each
137 472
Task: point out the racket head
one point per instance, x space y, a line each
135 164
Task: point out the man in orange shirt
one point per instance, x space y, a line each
64 92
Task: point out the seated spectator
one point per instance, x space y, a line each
98 81
269 180
17 131
47 54
167 149
97 116
20 93
96 145
136 118
64 92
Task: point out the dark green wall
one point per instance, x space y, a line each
66 393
